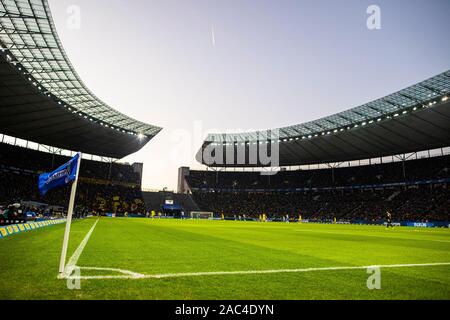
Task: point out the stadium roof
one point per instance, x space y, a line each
42 98
414 119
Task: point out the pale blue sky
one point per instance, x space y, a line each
274 63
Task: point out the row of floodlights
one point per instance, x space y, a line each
362 124
62 104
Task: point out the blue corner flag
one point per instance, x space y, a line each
60 177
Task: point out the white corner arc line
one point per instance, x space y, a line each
76 255
125 274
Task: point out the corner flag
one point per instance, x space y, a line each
64 175
60 177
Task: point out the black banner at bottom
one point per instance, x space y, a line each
225 309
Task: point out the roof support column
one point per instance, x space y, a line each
110 171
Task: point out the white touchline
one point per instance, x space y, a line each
76 255
125 274
372 235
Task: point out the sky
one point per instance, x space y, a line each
197 66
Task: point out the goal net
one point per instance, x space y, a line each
202 215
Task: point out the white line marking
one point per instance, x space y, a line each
372 235
133 275
126 273
76 255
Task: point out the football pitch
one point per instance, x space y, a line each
196 259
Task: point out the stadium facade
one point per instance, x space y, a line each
42 98
352 167
414 119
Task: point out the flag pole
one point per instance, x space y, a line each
62 263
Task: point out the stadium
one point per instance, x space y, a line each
291 213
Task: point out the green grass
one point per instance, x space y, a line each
29 261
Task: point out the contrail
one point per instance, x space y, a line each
213 36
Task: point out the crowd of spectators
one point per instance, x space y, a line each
103 187
394 172
347 194
17 187
36 161
420 204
